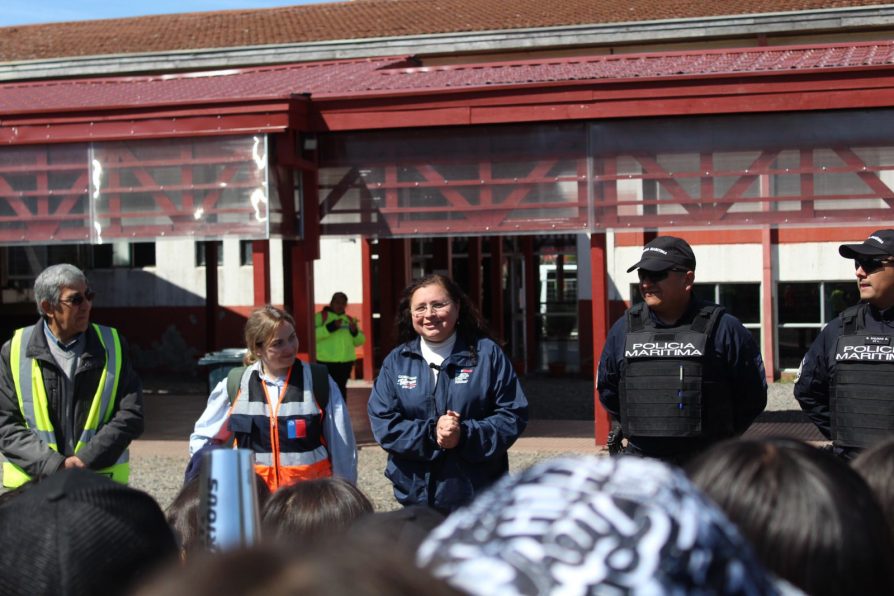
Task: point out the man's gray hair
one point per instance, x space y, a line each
49 284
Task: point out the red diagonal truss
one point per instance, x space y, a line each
708 208
44 196
465 206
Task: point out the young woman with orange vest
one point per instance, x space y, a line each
276 413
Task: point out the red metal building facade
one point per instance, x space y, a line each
755 141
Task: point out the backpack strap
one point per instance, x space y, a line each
234 380
319 376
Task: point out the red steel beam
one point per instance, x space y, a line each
366 308
583 100
599 292
496 287
123 131
260 259
530 283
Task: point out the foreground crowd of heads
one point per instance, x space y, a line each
746 517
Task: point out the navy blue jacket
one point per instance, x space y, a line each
814 382
406 403
734 351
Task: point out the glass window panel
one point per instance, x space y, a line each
201 257
25 262
659 172
839 296
705 291
142 254
102 256
798 302
793 344
742 301
499 179
43 194
246 253
201 187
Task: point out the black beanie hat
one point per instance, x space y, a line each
77 532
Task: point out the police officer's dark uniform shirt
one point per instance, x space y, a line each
732 356
813 386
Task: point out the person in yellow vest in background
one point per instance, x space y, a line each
68 395
337 336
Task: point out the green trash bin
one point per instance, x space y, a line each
221 363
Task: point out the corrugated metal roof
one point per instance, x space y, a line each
369 19
396 75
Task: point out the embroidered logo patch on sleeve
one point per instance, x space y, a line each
406 382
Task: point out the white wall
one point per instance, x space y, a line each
814 261
727 263
339 269
715 263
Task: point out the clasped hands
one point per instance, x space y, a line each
448 430
73 461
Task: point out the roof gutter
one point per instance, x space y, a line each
600 35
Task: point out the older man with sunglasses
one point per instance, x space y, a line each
846 380
68 395
678 373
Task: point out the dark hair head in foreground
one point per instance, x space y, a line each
811 519
77 532
346 568
876 467
313 510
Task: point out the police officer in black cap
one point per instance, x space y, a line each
679 373
846 380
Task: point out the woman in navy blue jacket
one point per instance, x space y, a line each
446 405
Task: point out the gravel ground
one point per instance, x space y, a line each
161 476
160 473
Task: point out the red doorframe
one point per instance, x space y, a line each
474 287
212 297
301 302
366 308
769 239
394 276
260 260
297 168
530 306
598 277
496 287
442 256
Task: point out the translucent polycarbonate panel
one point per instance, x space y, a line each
43 194
457 181
742 170
198 187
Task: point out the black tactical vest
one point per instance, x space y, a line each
863 384
666 391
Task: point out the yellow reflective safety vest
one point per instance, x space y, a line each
32 396
338 345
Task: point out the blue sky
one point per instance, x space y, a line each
24 12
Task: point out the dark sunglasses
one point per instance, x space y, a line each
78 299
871 264
656 276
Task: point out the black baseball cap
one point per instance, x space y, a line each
879 244
666 252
